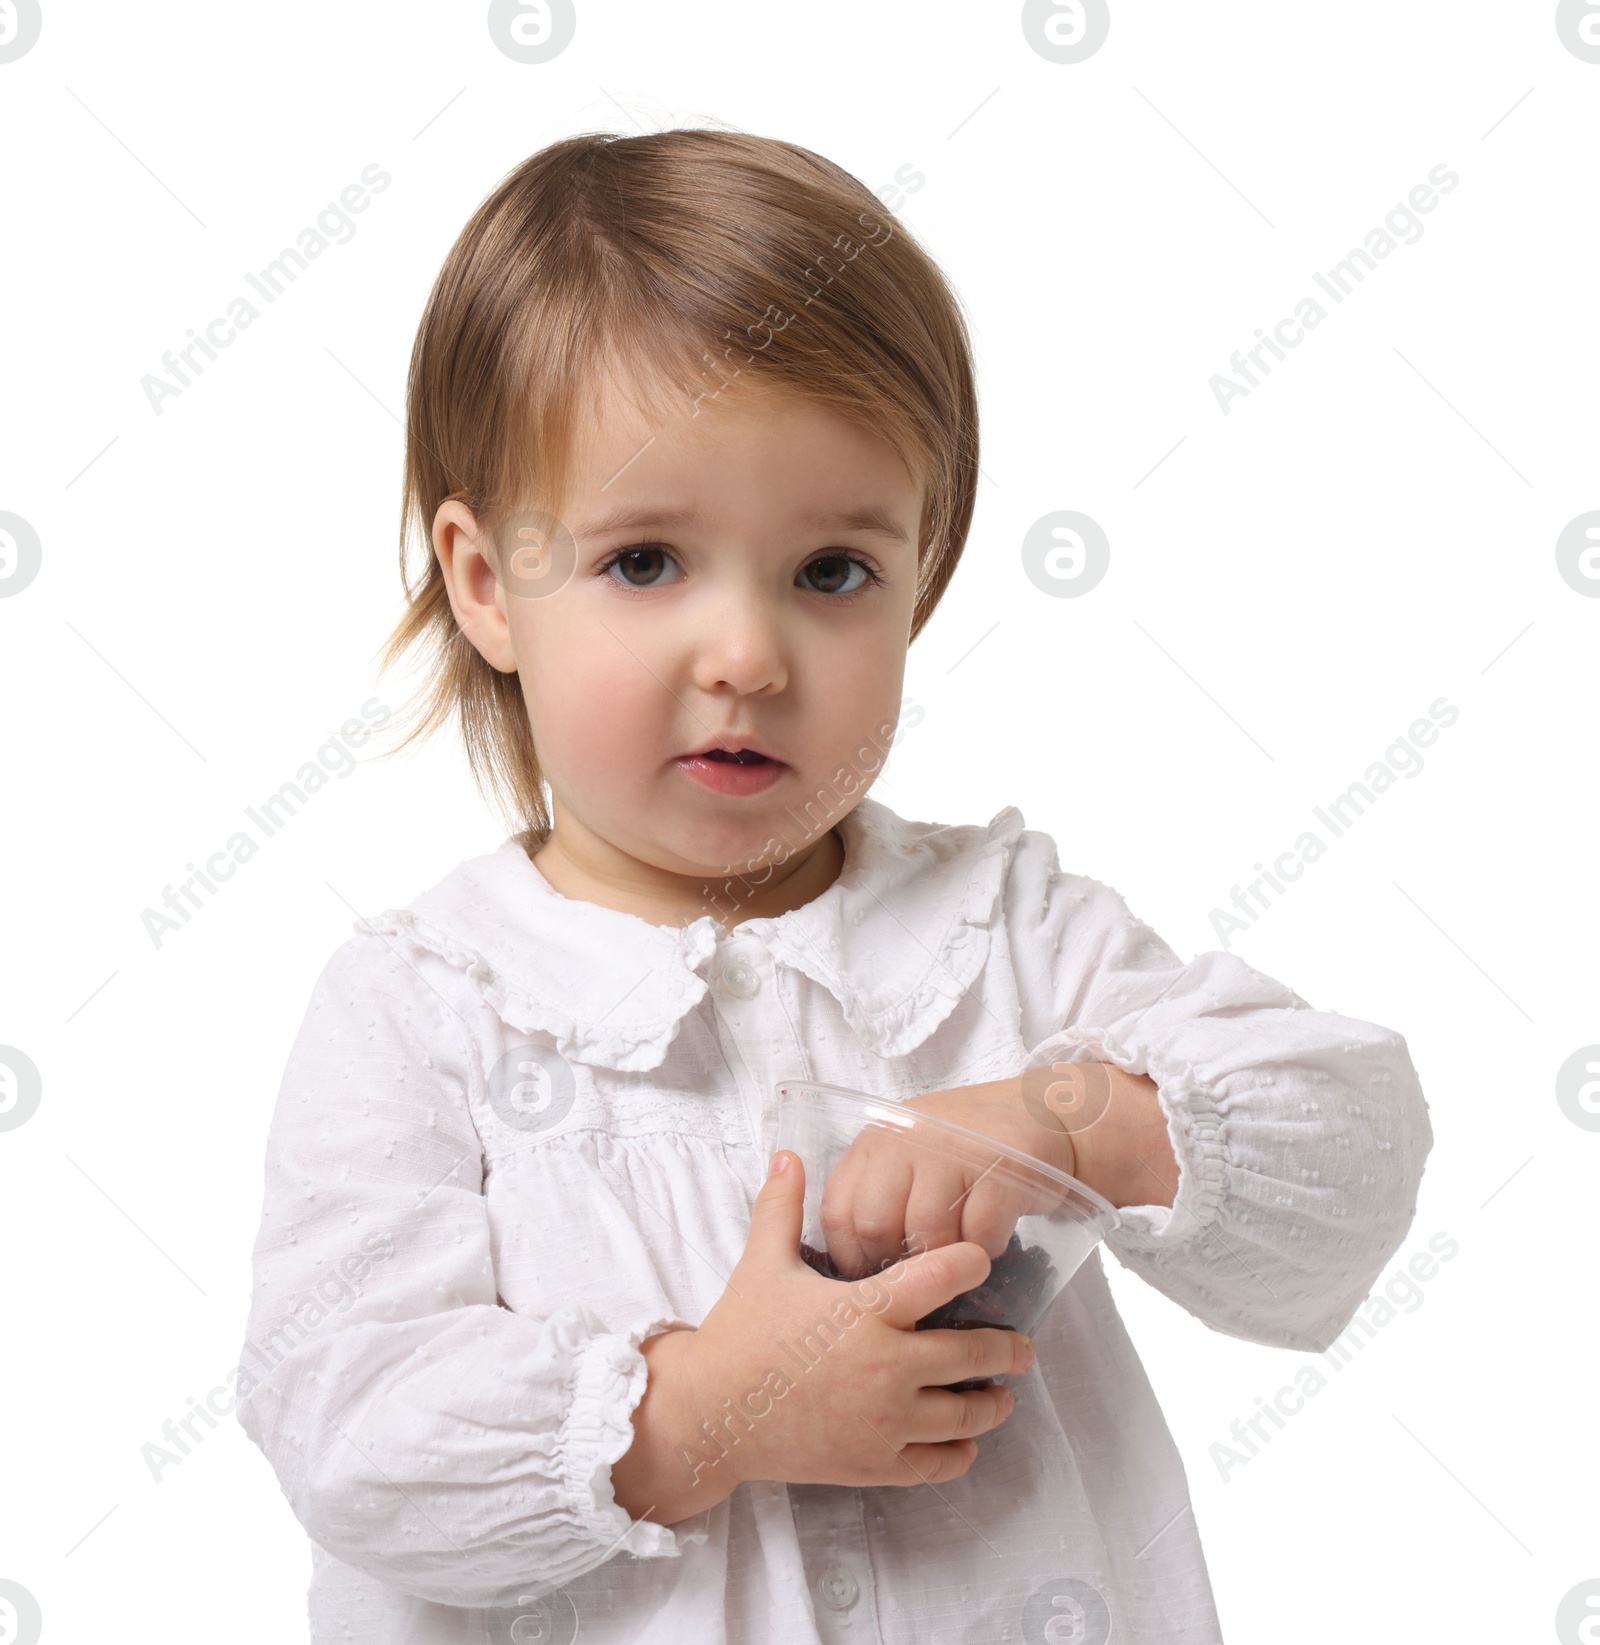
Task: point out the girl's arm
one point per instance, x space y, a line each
422 1432
1300 1135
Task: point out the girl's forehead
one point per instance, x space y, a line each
646 394
630 420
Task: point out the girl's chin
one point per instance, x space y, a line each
734 841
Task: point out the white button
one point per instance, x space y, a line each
838 1588
740 979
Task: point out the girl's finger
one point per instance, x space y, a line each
940 1357
931 1464
877 1221
838 1192
938 1415
935 1204
989 1214
907 1290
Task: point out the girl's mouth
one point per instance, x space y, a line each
735 772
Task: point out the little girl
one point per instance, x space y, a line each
692 433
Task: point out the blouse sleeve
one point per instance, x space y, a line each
421 1431
1300 1135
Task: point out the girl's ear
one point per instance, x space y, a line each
476 596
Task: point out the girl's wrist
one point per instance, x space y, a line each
668 1474
1125 1155
1053 1099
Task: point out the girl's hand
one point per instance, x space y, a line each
886 1196
795 1377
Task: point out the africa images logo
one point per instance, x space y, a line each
20 23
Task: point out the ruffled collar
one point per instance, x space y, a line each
897 939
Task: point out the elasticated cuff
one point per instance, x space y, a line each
607 1387
1194 1129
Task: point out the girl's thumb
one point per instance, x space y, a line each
779 1208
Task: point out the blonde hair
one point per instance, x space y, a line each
694 258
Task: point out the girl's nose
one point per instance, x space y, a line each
740 644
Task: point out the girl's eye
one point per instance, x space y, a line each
639 567
649 565
835 573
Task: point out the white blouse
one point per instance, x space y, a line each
520 1132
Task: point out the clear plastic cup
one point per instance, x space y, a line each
1062 1222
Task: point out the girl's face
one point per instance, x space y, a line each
744 580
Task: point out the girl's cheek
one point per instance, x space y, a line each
605 724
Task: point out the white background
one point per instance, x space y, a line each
1371 529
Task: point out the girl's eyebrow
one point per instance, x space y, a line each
631 518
